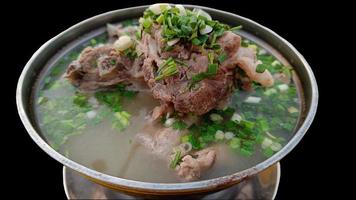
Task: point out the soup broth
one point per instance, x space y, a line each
98 129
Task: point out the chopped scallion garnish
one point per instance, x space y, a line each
176 159
167 69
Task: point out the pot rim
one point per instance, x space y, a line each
167 187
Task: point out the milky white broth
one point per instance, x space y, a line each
111 151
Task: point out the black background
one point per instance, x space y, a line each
305 26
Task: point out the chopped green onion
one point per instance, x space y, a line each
276 62
229 135
283 87
91 114
80 100
270 91
253 100
252 46
176 160
169 122
219 135
235 143
42 100
235 28
185 138
222 57
179 125
181 62
167 69
236 117
276 146
261 68
268 152
160 19
266 143
196 41
216 117
112 61
212 70
121 120
138 34
246 152
147 23
292 109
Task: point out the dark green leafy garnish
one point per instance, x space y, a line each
179 125
113 98
177 158
261 68
235 28
167 69
81 100
212 70
222 57
131 53
113 62
188 27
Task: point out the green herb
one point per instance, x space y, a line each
211 57
121 89
111 99
196 41
147 23
121 120
222 57
235 143
42 100
160 19
130 53
138 34
181 62
260 68
192 138
167 69
200 40
81 100
212 70
246 152
176 160
186 27
216 47
93 42
268 152
113 62
245 42
235 28
179 125
168 48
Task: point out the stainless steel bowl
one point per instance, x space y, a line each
42 56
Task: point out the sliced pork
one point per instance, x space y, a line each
176 90
247 61
98 67
192 166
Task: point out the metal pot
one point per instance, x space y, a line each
35 65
